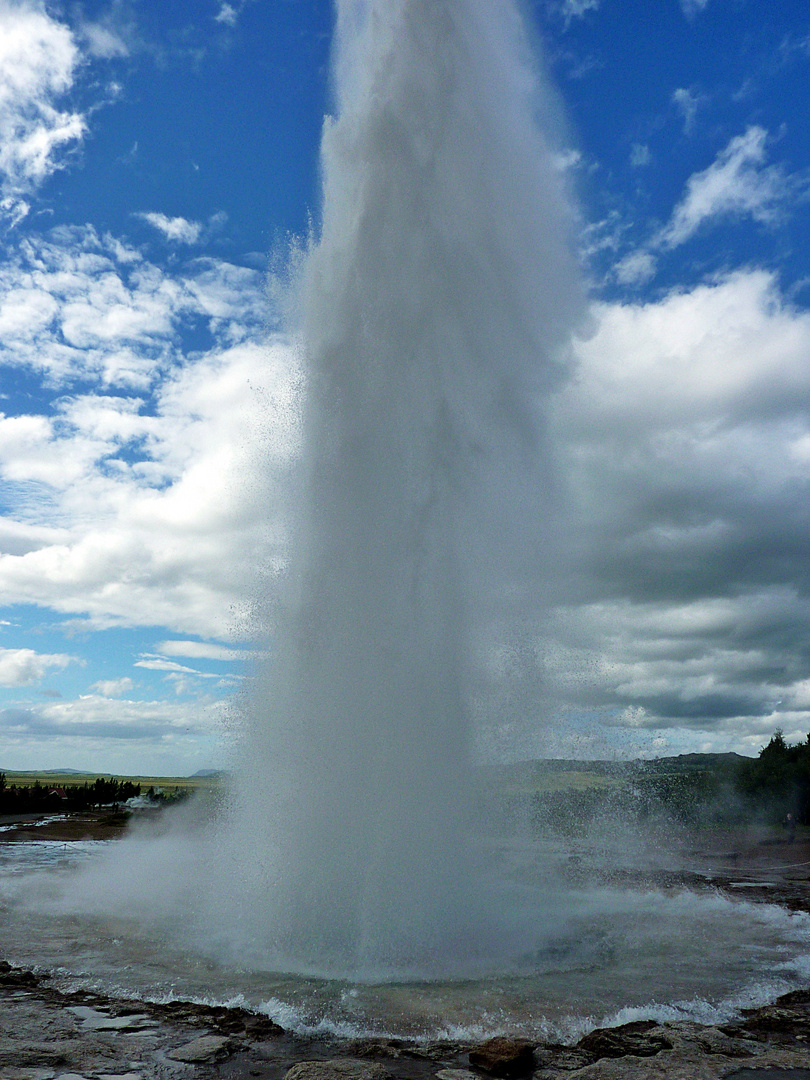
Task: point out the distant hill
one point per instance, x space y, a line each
568 795
554 774
690 762
46 772
675 763
206 778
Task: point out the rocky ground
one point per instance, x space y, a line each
48 1034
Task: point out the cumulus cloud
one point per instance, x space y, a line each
22 667
39 60
144 498
685 447
142 506
77 306
162 524
17 537
166 738
177 229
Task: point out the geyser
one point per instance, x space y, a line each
430 313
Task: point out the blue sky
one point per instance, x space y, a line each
154 162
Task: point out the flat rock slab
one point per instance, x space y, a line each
678 1065
93 1020
457 1074
51 1055
205 1048
337 1069
22 1073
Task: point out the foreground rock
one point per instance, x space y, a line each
46 1034
643 1038
337 1069
504 1057
770 1040
206 1048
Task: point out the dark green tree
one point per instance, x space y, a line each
778 781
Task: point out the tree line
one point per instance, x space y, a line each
38 798
710 790
779 779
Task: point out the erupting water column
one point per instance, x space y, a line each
429 313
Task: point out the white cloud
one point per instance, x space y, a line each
687 101
567 160
166 738
691 8
683 438
227 14
577 9
39 60
149 506
177 229
633 716
709 356
159 664
103 41
113 688
684 447
164 513
22 667
736 184
14 209
18 537
640 155
76 305
201 650
636 268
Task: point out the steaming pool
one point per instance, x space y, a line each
622 955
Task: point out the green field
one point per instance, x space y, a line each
71 779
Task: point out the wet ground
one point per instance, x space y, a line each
47 1033
93 825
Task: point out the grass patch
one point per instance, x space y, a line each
68 780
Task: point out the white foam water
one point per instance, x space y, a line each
622 955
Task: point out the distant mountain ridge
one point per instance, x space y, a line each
49 774
673 763
605 767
